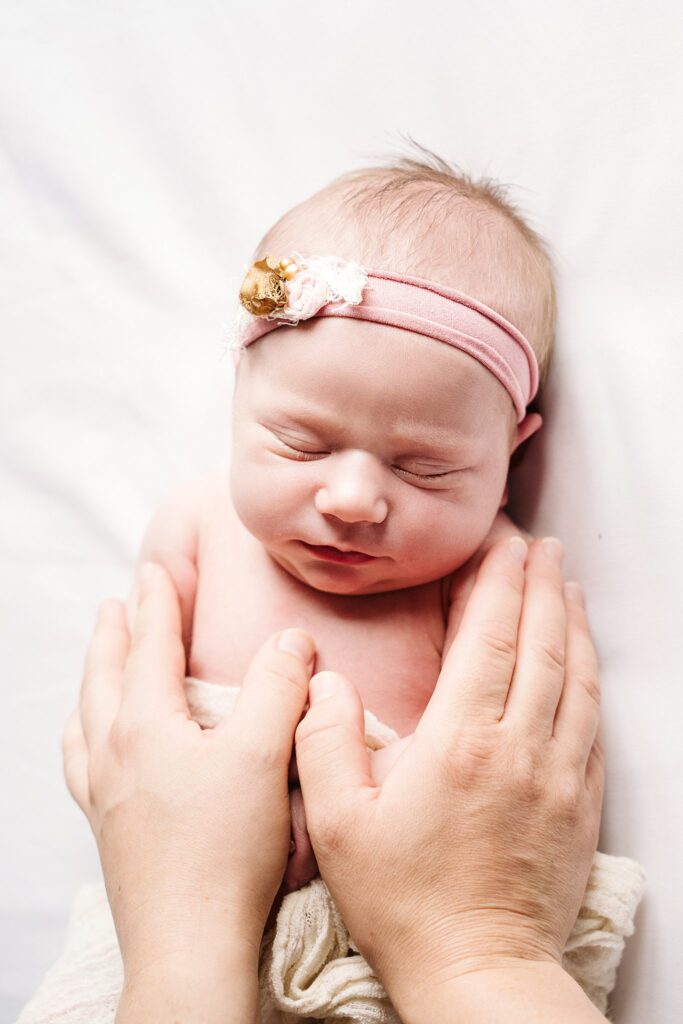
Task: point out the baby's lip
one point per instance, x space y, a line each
340 555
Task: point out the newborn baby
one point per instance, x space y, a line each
380 392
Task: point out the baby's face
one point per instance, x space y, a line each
367 458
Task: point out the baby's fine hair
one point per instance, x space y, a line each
423 216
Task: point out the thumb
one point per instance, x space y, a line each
331 755
273 695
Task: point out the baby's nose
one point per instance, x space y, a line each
352 490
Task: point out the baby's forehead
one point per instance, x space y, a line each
331 371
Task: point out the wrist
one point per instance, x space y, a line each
503 992
218 987
473 944
172 929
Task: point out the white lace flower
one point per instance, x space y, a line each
345 279
307 292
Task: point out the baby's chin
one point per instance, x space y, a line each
354 580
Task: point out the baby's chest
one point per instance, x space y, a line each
389 645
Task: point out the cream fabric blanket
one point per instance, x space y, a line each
310 969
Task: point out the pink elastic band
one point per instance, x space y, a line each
445 315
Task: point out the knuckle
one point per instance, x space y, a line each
166 649
318 741
527 775
127 733
598 749
550 652
283 675
501 639
510 575
569 797
97 774
589 682
469 761
328 832
288 671
143 634
302 735
266 757
93 785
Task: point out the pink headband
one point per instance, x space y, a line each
283 292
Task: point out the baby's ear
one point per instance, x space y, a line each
532 422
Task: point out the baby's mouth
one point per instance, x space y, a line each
330 554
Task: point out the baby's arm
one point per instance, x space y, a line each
172 538
461 582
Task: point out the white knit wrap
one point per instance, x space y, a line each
310 969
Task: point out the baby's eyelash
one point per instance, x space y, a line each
302 456
306 456
426 476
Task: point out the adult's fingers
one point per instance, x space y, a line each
155 670
330 750
105 659
539 673
476 674
75 761
183 573
273 695
578 713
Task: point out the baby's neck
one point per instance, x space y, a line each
385 643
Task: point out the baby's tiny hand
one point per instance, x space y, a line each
302 865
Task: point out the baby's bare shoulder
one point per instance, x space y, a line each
503 527
183 515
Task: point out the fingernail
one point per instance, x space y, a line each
554 549
518 549
296 642
573 591
324 685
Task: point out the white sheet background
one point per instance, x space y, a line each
145 146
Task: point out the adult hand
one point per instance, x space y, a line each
192 825
475 851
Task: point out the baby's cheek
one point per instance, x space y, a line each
268 499
447 537
252 496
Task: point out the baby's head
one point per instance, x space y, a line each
369 457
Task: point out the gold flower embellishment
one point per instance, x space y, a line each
264 288
291 290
